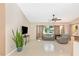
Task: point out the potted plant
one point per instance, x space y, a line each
18 39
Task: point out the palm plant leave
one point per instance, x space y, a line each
18 38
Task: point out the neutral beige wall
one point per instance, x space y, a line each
2 29
14 19
75 21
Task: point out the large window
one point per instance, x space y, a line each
48 30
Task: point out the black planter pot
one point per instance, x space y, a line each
19 49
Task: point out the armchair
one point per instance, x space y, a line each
63 39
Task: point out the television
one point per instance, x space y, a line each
24 30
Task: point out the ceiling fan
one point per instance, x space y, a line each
55 18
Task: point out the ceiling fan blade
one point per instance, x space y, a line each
55 19
58 19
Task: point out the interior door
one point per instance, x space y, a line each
57 30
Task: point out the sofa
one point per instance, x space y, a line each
48 37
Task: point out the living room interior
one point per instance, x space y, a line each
47 29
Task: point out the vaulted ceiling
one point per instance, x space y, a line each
42 12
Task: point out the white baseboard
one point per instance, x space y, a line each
11 52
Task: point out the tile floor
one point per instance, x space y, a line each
38 48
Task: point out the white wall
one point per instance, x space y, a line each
33 32
14 19
76 48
